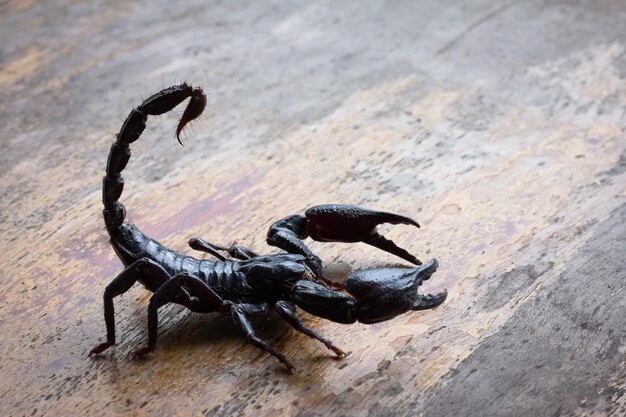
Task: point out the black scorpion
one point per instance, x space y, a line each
250 284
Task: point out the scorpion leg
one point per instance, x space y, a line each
286 311
237 252
204 246
239 313
179 290
153 276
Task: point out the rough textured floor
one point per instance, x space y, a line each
498 125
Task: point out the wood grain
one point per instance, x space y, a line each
500 128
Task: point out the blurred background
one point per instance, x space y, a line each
499 126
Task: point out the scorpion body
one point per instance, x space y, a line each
247 284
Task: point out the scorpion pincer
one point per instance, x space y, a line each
241 283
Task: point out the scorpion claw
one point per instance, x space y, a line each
384 293
375 295
428 301
348 223
337 223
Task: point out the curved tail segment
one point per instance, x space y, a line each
161 102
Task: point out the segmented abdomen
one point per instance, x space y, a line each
224 277
131 244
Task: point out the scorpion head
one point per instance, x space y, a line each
276 273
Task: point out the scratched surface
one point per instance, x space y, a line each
498 125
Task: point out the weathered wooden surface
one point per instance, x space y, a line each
498 125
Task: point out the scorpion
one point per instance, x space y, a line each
246 284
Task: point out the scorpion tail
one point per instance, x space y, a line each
161 102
